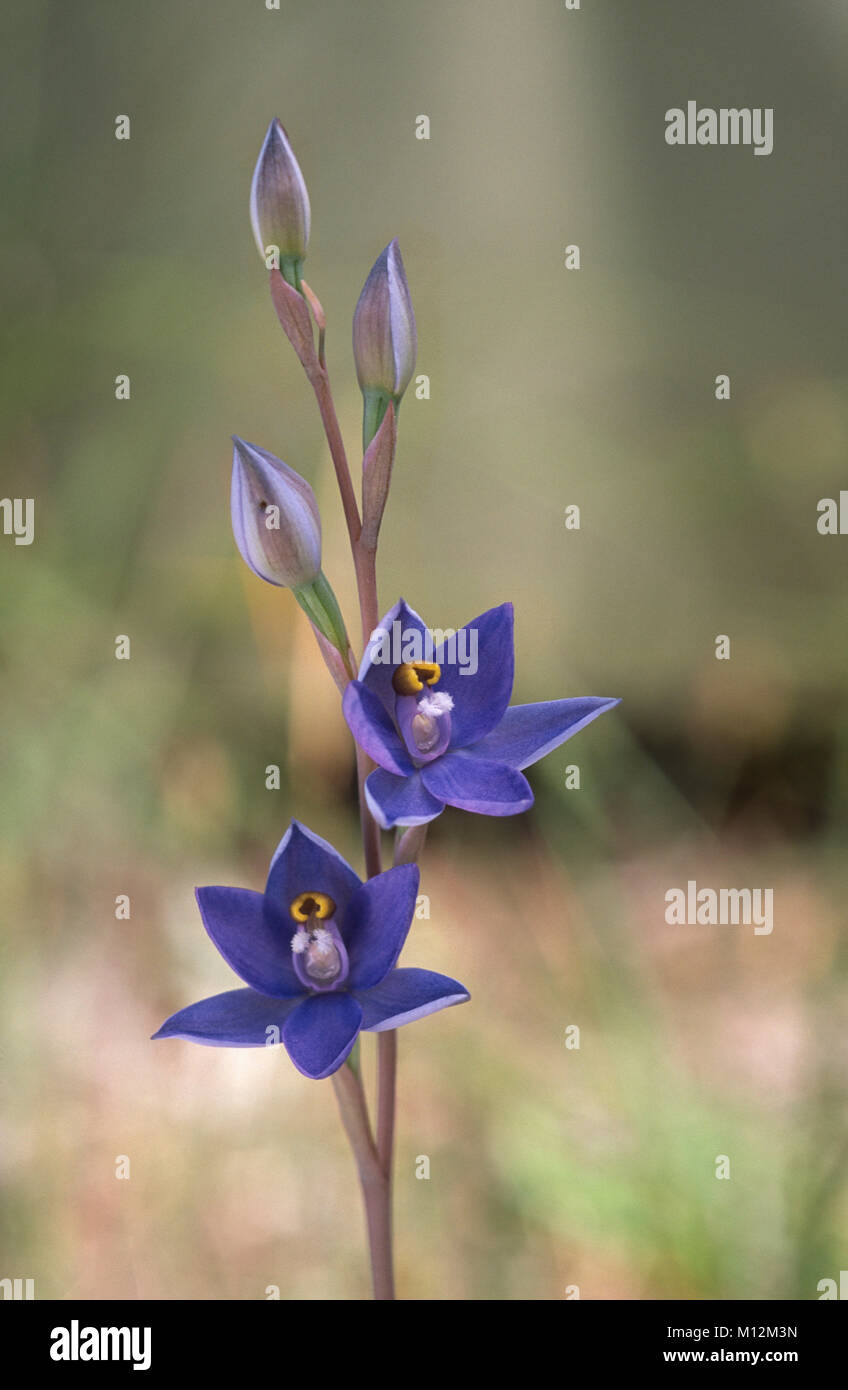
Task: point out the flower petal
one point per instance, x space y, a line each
406 995
400 800
320 1033
527 732
305 863
253 936
378 665
239 1018
476 784
479 699
376 923
373 729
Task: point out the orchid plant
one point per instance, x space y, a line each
428 710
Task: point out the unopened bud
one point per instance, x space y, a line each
384 338
275 517
279 206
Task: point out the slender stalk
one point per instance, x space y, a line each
386 1100
370 828
375 1164
320 382
408 846
376 1187
374 1160
365 566
364 560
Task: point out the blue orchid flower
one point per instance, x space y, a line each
317 951
433 712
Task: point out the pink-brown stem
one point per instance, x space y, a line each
375 1163
320 382
376 1186
374 1159
386 1099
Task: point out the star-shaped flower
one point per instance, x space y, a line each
433 712
317 951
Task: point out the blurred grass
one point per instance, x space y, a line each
549 1167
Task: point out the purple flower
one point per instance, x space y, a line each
317 950
432 710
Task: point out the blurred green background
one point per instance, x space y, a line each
549 387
